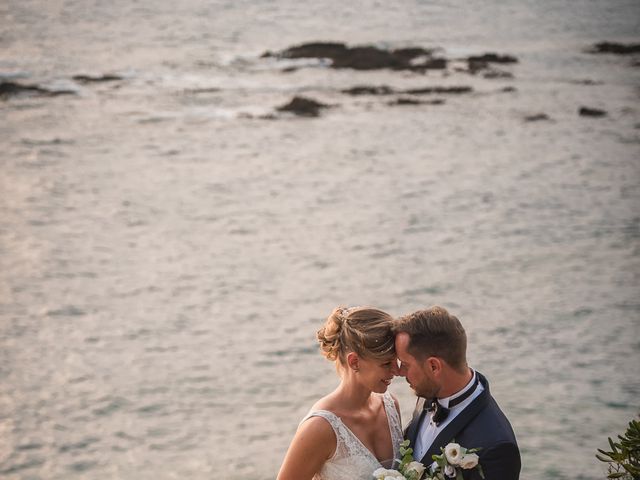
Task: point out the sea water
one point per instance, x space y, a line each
167 252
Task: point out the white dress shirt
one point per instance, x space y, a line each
428 431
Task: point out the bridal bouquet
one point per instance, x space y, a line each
408 469
448 465
452 461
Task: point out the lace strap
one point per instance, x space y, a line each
394 423
335 423
330 417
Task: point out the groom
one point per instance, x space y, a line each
454 402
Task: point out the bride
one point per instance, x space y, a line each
355 429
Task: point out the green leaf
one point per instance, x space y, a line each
613 445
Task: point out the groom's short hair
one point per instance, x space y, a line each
434 332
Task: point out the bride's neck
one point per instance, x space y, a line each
353 395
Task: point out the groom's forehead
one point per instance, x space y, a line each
402 341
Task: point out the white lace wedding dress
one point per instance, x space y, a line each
352 460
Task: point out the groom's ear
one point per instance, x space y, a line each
433 365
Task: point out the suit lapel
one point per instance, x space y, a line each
418 415
458 423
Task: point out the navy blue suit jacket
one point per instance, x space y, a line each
480 425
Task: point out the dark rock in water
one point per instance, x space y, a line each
438 90
385 90
405 101
311 50
482 62
616 48
102 78
497 74
537 117
414 101
369 90
585 82
411 53
10 89
364 57
509 89
591 112
492 58
304 107
368 58
430 64
476 66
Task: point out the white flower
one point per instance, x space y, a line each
415 467
386 474
470 460
453 453
450 471
380 473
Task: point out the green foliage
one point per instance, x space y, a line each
406 453
624 457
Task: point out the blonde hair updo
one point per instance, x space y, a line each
364 330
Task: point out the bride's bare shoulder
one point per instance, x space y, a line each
328 402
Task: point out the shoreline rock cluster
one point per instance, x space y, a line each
615 48
369 57
12 89
9 89
417 60
364 57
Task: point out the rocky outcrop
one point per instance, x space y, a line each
438 90
492 73
92 79
401 101
12 89
369 90
591 112
492 58
538 117
303 107
616 48
482 63
365 57
386 90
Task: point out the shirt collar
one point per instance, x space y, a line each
445 401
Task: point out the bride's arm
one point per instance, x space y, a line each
313 444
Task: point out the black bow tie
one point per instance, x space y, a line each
440 413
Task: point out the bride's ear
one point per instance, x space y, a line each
353 361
